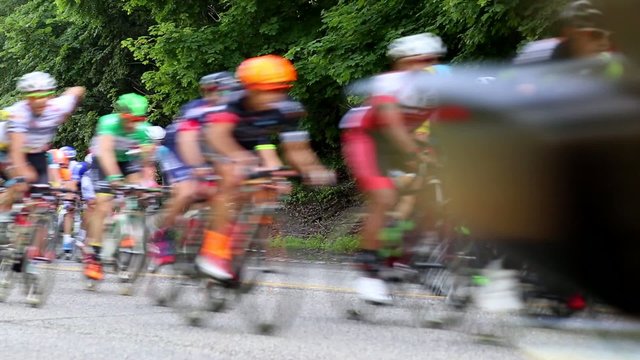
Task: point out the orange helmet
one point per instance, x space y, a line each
267 72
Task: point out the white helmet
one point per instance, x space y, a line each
155 133
36 81
88 158
414 45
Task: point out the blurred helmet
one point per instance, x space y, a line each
88 158
219 81
36 81
416 45
268 72
155 133
69 152
582 14
134 104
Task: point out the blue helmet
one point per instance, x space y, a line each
69 152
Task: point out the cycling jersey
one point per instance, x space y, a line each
124 141
78 170
394 88
255 128
368 153
40 130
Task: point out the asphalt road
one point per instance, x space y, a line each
79 324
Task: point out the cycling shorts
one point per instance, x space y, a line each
370 158
176 175
39 162
99 178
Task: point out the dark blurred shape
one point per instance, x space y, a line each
547 162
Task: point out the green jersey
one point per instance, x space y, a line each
124 141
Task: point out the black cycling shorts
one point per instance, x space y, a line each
41 165
99 178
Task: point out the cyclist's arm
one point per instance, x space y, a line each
393 127
188 148
77 92
107 158
298 152
219 136
268 156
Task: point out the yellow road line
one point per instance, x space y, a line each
277 285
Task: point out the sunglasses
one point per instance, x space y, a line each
39 94
595 34
133 117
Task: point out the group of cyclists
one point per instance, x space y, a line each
241 123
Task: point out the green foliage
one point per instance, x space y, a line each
162 48
341 245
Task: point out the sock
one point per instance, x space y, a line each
216 244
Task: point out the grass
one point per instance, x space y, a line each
344 244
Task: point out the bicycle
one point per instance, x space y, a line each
419 264
178 260
196 294
33 238
126 235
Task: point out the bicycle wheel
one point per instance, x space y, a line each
271 290
162 286
7 273
131 235
39 258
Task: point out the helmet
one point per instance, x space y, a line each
69 152
133 104
155 132
582 14
267 72
414 45
36 81
223 80
89 158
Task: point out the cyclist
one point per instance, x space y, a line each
379 135
183 154
581 34
116 134
33 123
62 164
236 129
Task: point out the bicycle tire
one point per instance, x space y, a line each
163 286
269 293
38 271
130 262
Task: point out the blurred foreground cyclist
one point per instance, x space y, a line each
238 128
378 137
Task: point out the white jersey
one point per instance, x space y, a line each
410 88
40 131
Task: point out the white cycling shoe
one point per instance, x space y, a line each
373 290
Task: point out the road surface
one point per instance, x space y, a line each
79 324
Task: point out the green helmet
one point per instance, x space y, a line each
133 104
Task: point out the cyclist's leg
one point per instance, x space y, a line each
183 190
360 153
216 252
67 226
